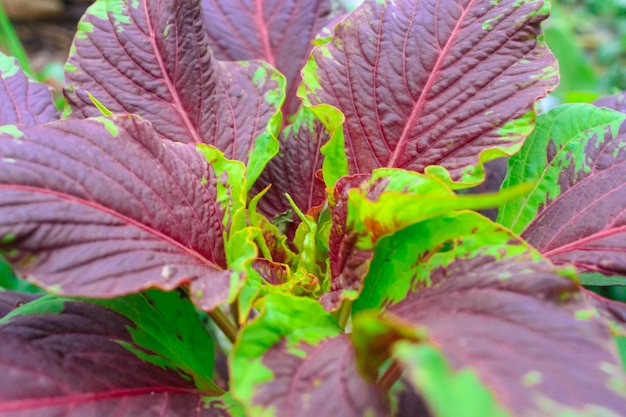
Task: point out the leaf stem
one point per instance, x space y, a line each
344 313
234 312
224 323
391 375
296 209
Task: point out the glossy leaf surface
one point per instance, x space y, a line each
276 31
24 100
432 83
152 58
293 360
69 358
575 213
104 207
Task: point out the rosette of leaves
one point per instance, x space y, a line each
249 209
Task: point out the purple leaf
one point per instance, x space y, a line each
332 362
295 169
433 83
76 362
24 101
615 102
152 58
278 32
10 300
613 311
103 207
410 404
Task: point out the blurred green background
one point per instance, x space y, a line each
588 38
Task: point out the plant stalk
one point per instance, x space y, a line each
391 375
344 313
224 323
234 312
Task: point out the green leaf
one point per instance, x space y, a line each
411 197
292 358
239 240
167 325
598 279
402 262
335 161
8 280
448 392
293 319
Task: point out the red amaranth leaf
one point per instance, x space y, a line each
24 100
278 32
433 83
332 362
614 102
76 363
104 207
477 296
152 58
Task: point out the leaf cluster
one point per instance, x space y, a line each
259 209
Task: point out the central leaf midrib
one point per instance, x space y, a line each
263 33
168 83
418 109
82 398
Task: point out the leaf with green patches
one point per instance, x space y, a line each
429 83
10 300
293 358
474 290
167 325
441 240
575 214
104 207
172 79
449 393
366 208
70 358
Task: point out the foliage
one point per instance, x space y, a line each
589 39
249 209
